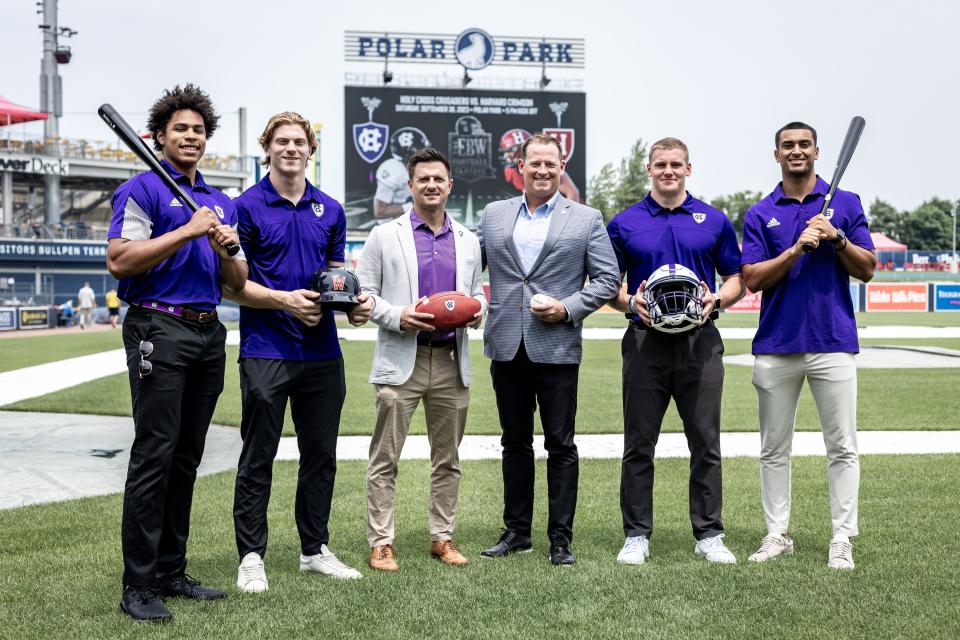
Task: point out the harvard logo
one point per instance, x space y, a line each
699 217
339 283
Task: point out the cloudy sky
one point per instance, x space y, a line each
723 76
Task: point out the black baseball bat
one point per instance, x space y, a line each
140 149
846 152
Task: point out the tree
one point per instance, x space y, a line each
613 190
930 226
736 206
884 218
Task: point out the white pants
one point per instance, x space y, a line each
833 382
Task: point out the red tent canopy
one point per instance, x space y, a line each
883 243
11 113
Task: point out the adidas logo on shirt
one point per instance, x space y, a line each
176 203
773 223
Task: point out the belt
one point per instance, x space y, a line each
640 326
190 315
436 344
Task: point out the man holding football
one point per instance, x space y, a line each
421 253
676 240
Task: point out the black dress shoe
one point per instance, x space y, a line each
186 587
560 552
510 542
144 603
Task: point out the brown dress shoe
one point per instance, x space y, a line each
446 551
381 558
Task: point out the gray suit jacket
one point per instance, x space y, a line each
576 246
388 271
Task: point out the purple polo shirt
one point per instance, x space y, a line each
437 265
285 244
810 310
144 208
646 236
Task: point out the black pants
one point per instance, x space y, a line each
689 368
316 391
520 385
172 408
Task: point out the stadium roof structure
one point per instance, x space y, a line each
11 113
883 243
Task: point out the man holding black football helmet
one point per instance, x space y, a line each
670 246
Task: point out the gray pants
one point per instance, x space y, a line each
435 380
833 382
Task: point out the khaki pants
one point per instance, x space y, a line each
833 382
435 380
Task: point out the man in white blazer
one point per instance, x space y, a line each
421 253
540 249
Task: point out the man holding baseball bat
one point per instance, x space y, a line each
170 264
288 350
807 330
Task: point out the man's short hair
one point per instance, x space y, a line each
427 154
669 143
540 138
189 97
277 121
794 125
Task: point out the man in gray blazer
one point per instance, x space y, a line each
540 248
418 254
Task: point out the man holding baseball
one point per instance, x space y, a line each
289 350
807 331
418 254
671 227
170 265
540 248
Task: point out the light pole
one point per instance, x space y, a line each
953 262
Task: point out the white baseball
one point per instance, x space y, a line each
538 300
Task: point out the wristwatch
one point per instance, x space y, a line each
841 237
717 302
632 305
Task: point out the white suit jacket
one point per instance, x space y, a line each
388 271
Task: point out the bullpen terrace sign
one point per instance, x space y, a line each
472 48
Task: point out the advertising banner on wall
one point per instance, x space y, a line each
35 317
480 131
8 319
896 297
946 297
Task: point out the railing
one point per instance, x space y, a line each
64 231
80 149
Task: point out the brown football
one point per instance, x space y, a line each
450 309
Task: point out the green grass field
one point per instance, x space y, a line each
599 406
60 565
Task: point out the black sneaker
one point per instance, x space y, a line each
144 603
560 552
186 587
510 542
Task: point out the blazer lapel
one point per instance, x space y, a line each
558 220
409 249
511 208
461 253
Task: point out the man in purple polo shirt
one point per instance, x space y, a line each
416 255
288 350
170 265
807 330
670 226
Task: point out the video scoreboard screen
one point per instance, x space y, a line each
480 131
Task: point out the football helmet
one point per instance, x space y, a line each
510 143
468 126
406 141
674 298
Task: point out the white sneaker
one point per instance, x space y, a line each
635 550
251 578
841 553
327 563
773 545
714 550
